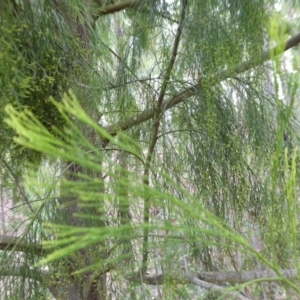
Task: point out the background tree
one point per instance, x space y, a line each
176 157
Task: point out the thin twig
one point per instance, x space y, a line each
129 69
21 189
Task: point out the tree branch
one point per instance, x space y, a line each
213 287
8 242
188 278
192 91
25 272
245 276
113 8
157 114
220 277
209 280
19 186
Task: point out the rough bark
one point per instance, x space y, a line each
222 277
88 286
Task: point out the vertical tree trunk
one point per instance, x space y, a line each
88 286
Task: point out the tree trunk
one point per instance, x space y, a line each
88 286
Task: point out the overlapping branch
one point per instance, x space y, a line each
210 280
8 243
219 277
148 114
159 108
113 8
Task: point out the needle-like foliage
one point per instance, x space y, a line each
164 137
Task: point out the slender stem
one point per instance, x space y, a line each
20 188
158 111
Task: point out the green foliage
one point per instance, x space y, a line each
204 228
223 175
34 66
